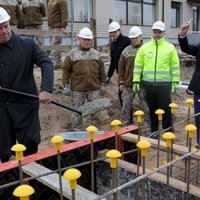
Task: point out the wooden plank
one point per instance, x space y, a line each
52 32
178 148
52 181
173 182
65 148
57 47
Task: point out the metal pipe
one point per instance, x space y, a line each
114 182
92 164
167 189
60 174
158 150
20 172
72 23
73 194
188 171
171 157
138 160
143 180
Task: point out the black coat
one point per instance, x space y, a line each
195 51
19 114
116 49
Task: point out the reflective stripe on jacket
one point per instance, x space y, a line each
157 61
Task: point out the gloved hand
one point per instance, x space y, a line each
136 87
102 89
174 87
67 90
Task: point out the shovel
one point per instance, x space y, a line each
84 110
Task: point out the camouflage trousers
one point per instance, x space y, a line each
127 98
55 55
39 38
78 99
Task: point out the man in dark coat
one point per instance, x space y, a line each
19 114
118 44
195 81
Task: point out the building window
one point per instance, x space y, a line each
175 14
195 18
81 10
135 12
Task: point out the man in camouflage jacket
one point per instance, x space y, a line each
84 76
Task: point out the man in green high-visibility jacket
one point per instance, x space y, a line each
157 68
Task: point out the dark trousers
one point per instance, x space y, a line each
197 118
33 148
159 97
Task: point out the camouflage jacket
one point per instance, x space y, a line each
13 9
125 66
57 13
83 70
34 11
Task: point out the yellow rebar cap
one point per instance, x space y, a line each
190 127
57 139
143 144
116 122
138 113
23 191
72 174
168 136
160 112
113 154
173 105
91 129
18 148
189 102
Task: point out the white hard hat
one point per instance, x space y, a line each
134 32
158 25
4 16
114 26
85 33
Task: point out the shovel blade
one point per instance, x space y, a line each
95 106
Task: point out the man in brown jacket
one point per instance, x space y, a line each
13 9
34 11
57 19
84 76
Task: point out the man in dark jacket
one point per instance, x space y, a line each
118 44
195 81
19 114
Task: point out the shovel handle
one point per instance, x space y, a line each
37 97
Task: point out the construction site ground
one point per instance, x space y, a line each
55 119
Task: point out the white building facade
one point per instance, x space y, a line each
142 13
129 13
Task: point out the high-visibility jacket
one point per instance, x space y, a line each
157 61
